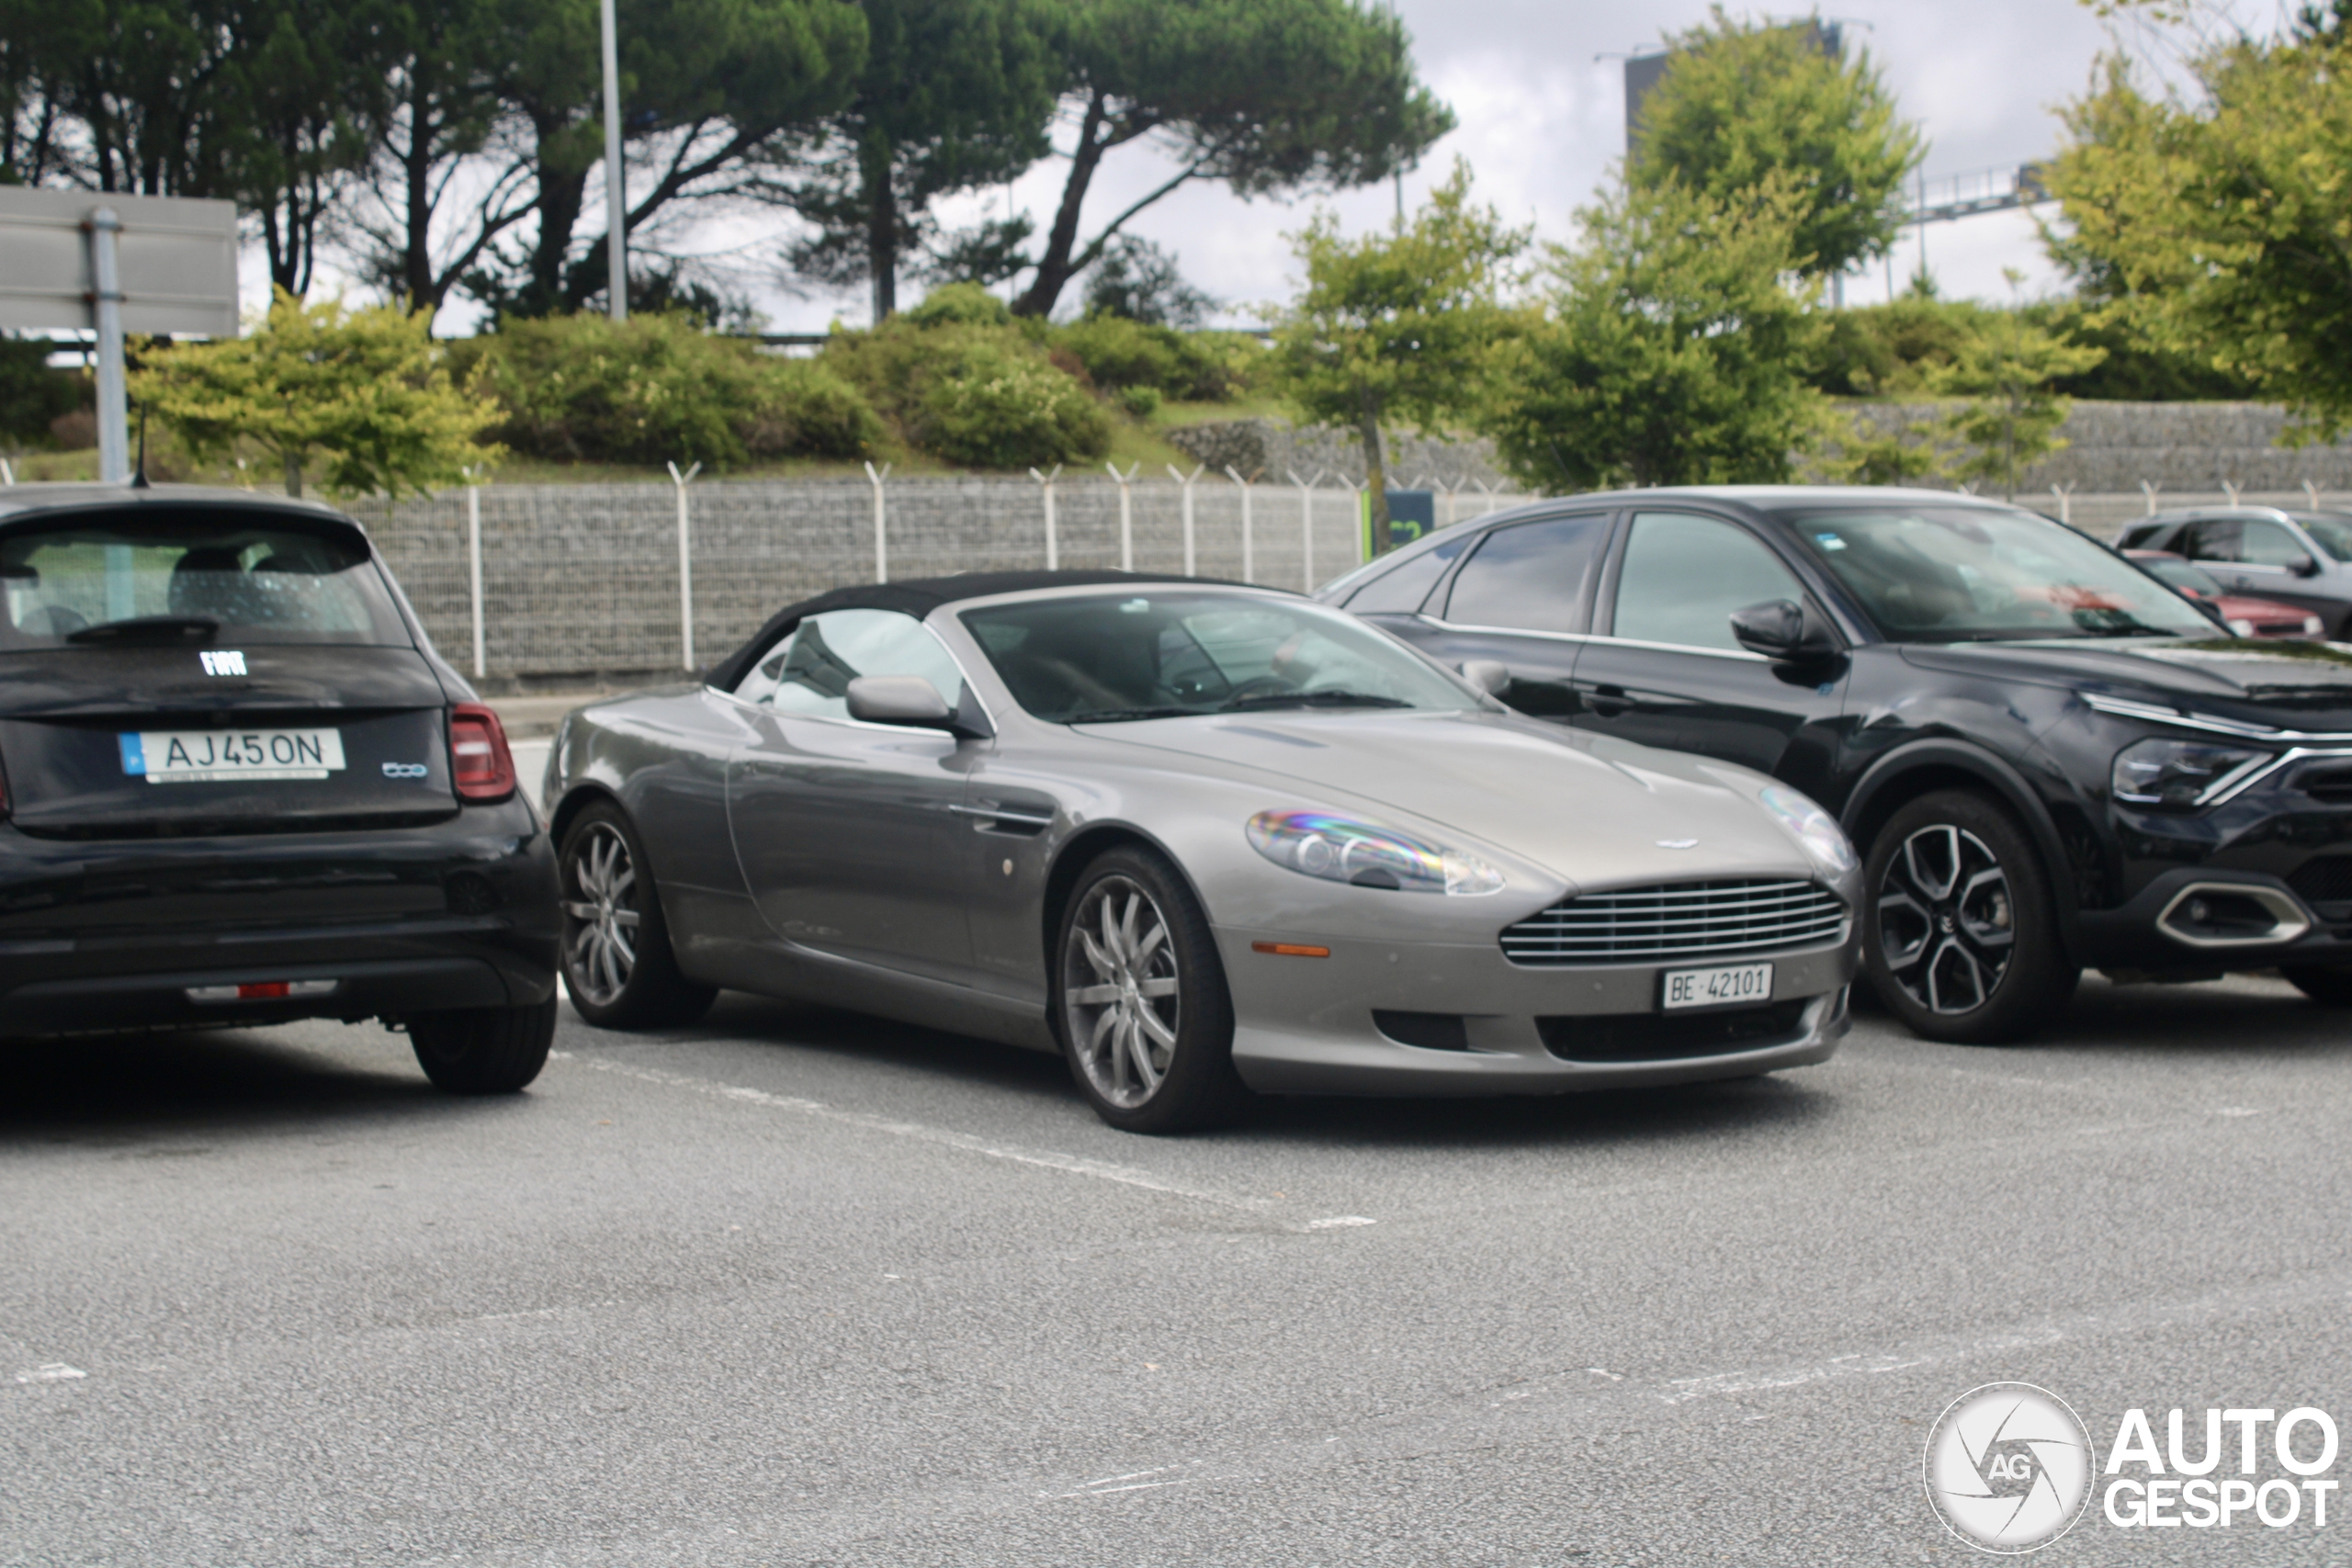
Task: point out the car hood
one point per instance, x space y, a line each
2286 685
1592 811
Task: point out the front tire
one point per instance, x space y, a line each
1140 999
483 1050
1960 933
618 964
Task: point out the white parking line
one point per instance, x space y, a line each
1072 1165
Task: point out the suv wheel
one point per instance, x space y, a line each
616 960
1960 935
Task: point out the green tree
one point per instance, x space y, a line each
1672 349
365 395
953 94
1744 99
1136 279
1394 327
2220 225
2012 417
1267 96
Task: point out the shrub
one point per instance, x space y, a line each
1207 367
33 398
1140 402
959 304
972 392
656 388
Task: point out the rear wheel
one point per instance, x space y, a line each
2330 984
1960 935
616 959
1141 1000
483 1050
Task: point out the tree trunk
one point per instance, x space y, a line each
416 195
561 193
1054 267
1375 473
874 177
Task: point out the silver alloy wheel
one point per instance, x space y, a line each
600 916
1120 992
1947 925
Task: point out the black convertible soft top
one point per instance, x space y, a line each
919 596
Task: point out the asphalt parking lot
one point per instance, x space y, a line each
794 1287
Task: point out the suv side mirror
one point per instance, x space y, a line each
1782 631
909 700
2303 566
1491 676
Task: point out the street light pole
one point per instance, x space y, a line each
616 182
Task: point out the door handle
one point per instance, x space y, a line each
1608 701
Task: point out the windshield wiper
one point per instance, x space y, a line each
1120 716
149 628
1333 699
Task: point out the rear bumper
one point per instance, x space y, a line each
117 935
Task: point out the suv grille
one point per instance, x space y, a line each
2325 880
1692 919
2332 785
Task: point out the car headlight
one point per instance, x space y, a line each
1811 825
1365 854
2241 628
2182 774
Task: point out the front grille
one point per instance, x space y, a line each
1671 1036
2331 782
2324 880
1689 921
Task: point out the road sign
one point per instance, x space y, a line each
116 263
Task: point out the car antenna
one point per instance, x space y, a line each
138 475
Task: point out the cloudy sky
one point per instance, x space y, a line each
1537 87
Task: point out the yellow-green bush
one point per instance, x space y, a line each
657 388
971 391
1190 366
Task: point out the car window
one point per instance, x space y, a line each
2213 540
1115 657
810 669
1930 573
1530 576
2142 536
2264 543
1683 576
2333 535
1401 591
257 580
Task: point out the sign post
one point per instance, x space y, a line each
113 265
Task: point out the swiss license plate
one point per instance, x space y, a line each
1727 987
231 756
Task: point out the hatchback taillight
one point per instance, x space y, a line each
479 764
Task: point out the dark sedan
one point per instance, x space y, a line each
2049 761
238 787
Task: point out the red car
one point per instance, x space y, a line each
2246 617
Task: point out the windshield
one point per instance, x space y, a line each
1110 657
1971 574
2331 534
215 576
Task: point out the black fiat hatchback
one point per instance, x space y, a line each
238 787
2047 758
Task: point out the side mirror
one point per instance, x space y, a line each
909 700
1782 631
2304 567
1491 676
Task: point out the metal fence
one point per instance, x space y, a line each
538 586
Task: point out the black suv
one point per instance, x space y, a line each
2048 759
237 787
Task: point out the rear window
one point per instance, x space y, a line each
181 576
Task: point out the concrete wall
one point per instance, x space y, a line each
581 581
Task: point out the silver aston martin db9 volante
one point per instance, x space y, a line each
1202 838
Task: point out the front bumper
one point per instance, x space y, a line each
107 935
1330 1025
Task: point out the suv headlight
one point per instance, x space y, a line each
2181 774
1343 849
1810 826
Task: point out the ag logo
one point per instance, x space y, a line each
2009 1468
